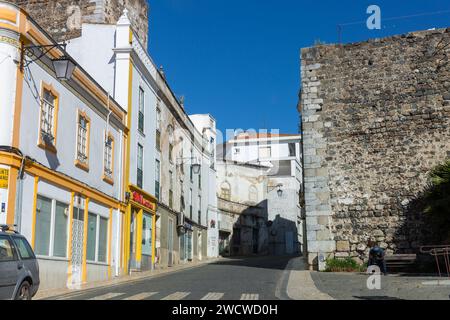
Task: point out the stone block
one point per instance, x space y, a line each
342 246
322 246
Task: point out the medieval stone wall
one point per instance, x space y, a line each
63 18
375 119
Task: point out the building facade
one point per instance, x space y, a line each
61 158
265 169
164 144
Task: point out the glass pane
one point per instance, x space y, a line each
103 240
147 235
91 236
61 219
43 219
24 248
6 251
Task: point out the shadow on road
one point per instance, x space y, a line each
264 262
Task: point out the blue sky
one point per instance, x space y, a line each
239 59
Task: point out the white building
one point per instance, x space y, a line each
280 155
163 145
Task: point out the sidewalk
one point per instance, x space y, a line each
137 276
313 285
300 284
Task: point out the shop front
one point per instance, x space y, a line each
140 230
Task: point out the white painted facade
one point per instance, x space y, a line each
278 155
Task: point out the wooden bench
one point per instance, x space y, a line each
400 262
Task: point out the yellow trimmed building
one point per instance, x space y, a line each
63 154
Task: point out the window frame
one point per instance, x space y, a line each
41 142
98 218
108 178
51 241
141 110
140 147
78 163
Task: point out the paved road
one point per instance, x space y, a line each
256 278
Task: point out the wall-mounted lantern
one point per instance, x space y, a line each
63 66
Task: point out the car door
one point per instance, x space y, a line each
28 260
8 268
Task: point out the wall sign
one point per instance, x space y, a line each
139 198
4 176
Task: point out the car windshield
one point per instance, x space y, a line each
24 248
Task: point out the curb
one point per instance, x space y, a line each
64 293
300 284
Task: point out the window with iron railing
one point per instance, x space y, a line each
47 117
82 139
108 162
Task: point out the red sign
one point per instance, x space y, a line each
139 198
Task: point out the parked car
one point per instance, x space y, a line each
19 268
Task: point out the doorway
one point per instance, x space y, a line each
133 225
77 246
199 245
289 239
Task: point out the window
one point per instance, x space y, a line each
190 203
200 181
199 204
108 159
158 140
225 191
97 238
42 228
171 153
191 173
292 152
51 227
140 166
82 156
6 250
213 155
182 204
157 178
141 110
24 248
171 189
253 194
264 152
48 118
237 150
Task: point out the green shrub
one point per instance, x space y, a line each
437 200
344 265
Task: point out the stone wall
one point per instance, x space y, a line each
63 18
375 118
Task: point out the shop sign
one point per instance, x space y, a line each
139 198
4 175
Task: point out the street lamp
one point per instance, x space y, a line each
194 165
63 66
